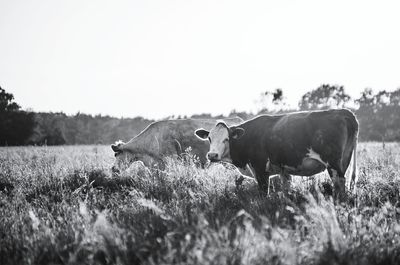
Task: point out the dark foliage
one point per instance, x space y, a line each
15 126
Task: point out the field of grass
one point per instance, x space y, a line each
60 205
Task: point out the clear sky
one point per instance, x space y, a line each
156 58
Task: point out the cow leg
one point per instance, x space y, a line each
339 184
286 179
262 178
244 173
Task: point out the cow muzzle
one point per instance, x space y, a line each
213 157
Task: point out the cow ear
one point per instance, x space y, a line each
202 134
237 133
115 148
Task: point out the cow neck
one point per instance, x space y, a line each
239 149
146 142
251 146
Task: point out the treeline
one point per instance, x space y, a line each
378 114
19 127
59 128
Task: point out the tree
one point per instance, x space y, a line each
6 102
395 98
277 96
272 101
379 115
324 97
367 99
15 126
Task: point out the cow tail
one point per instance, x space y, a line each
352 129
354 176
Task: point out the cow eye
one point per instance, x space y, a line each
209 139
226 140
117 153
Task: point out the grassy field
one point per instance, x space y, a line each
60 205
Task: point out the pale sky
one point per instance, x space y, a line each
155 58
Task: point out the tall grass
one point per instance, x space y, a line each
61 205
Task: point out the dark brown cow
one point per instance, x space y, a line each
164 138
301 143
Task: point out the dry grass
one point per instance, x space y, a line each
60 205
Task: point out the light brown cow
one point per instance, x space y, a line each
164 138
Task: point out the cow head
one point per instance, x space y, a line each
125 155
123 158
220 138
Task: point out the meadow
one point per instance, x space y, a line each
61 205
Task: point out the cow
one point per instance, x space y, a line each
164 138
300 143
